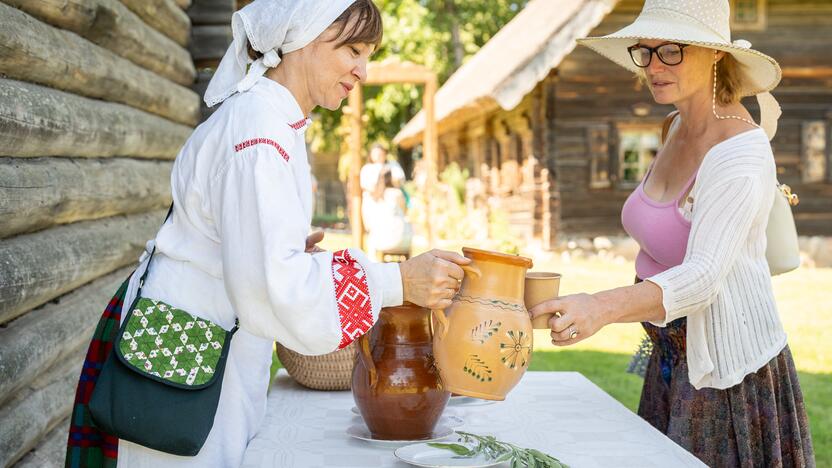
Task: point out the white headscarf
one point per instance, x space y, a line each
270 26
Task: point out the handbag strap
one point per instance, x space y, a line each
147 270
152 251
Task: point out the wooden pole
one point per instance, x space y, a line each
356 103
429 147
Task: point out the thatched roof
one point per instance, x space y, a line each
511 64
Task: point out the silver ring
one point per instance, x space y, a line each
573 333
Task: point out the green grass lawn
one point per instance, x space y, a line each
805 308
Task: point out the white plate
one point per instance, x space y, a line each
360 431
424 455
450 420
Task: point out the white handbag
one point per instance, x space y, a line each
782 249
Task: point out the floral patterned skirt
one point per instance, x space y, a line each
760 422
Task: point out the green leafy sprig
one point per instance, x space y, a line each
496 450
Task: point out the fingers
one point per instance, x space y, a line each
314 238
452 257
552 306
440 304
565 335
448 269
568 336
562 323
441 299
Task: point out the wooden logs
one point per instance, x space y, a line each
183 4
39 267
43 192
50 451
210 42
164 16
46 335
36 52
36 410
112 26
204 12
39 121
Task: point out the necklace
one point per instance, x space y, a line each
726 117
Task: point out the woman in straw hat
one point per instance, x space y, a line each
236 245
720 380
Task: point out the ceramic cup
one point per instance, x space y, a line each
540 286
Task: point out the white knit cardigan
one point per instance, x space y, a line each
723 286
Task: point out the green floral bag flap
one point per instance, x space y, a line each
170 345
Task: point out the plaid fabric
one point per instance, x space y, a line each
88 447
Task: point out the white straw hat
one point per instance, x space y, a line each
703 23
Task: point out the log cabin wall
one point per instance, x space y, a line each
504 153
603 123
210 38
593 102
94 106
796 34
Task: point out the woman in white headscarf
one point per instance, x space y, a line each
236 245
721 381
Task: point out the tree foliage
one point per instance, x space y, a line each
433 33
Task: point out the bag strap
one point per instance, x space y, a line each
147 270
668 121
152 251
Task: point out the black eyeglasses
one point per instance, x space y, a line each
670 54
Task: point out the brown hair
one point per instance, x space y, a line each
728 80
360 23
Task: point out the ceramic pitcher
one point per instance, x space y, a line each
394 382
483 342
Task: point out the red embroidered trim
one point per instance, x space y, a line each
263 141
352 296
298 125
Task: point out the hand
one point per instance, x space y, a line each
432 279
312 241
581 313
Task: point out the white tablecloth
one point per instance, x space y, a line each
560 413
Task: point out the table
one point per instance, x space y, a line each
561 413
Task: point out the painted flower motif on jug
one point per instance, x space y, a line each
519 348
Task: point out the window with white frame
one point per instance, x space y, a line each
637 147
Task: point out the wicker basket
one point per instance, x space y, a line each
331 371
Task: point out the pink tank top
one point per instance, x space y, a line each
659 228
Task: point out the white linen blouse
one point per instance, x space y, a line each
234 249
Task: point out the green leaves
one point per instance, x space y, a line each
494 449
456 448
420 31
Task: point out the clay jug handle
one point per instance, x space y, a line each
443 321
367 359
471 270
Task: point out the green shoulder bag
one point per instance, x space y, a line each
161 384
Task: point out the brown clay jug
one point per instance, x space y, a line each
394 382
483 342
